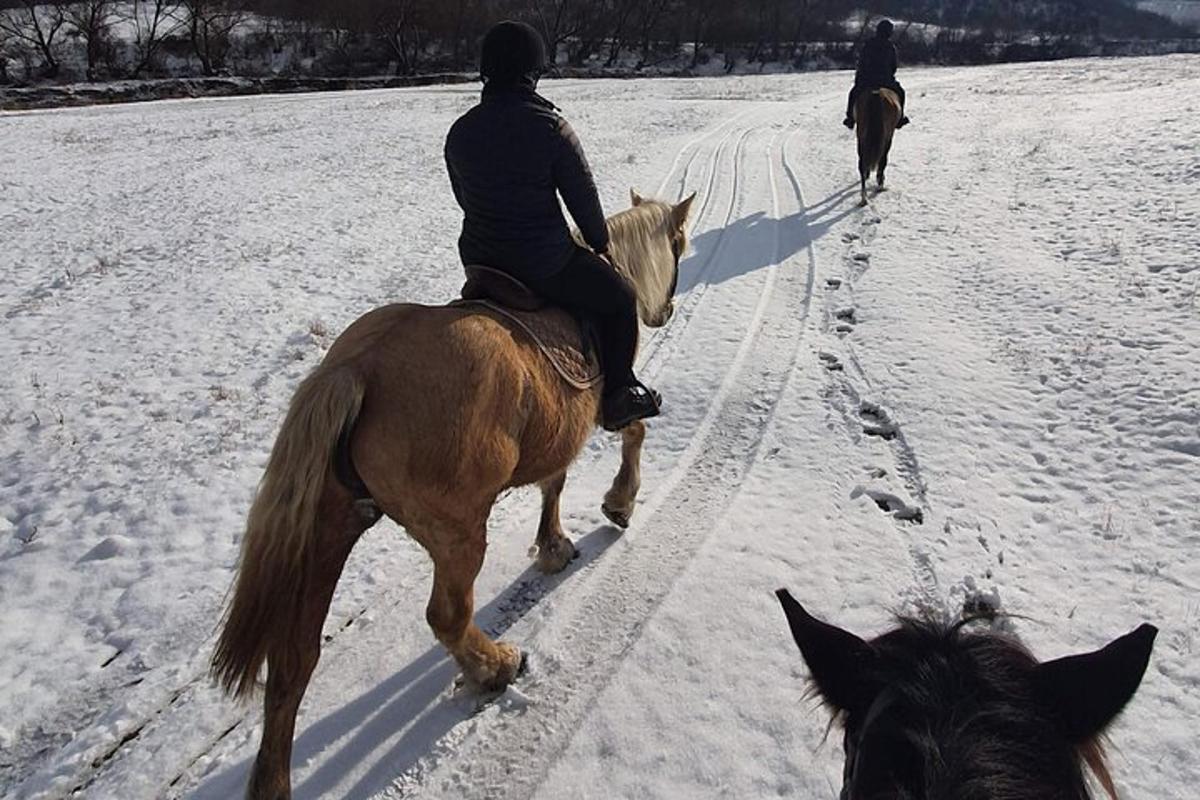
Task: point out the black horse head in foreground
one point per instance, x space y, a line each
937 711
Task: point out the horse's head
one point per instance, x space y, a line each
648 241
934 710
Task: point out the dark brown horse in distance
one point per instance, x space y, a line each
876 115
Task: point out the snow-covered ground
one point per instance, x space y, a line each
986 385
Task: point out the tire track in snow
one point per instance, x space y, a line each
507 755
685 308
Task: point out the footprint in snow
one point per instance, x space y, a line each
830 362
877 422
847 318
890 504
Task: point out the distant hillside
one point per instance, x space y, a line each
1185 12
1108 19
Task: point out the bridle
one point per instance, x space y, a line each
677 254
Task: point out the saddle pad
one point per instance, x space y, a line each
557 335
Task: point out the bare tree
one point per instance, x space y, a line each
650 15
403 26
35 26
152 22
559 21
210 25
92 20
621 26
4 56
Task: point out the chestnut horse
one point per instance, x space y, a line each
876 114
434 411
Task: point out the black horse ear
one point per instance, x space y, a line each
837 659
1088 691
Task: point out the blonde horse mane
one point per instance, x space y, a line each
640 244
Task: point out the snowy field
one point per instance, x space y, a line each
984 386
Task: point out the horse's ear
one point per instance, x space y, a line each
679 214
1088 691
635 198
837 659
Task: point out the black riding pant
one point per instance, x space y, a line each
590 287
894 86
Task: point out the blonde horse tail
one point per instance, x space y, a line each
280 541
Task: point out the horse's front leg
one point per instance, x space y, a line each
554 549
622 497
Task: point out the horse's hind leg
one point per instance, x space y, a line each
622 497
457 558
554 549
880 173
864 171
291 661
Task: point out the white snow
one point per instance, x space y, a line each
1005 346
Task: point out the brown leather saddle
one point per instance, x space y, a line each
563 338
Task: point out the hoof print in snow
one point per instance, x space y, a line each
830 362
862 258
833 283
876 422
849 237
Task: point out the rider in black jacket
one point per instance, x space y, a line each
877 70
509 158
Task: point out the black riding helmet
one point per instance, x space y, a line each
884 29
512 51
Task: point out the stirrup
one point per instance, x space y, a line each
903 121
849 122
630 405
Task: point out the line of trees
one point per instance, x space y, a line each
102 39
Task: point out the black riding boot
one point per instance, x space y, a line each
629 404
589 286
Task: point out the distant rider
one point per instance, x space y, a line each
877 70
509 158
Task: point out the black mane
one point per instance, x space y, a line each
962 713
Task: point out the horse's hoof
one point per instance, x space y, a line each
510 664
618 518
555 558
